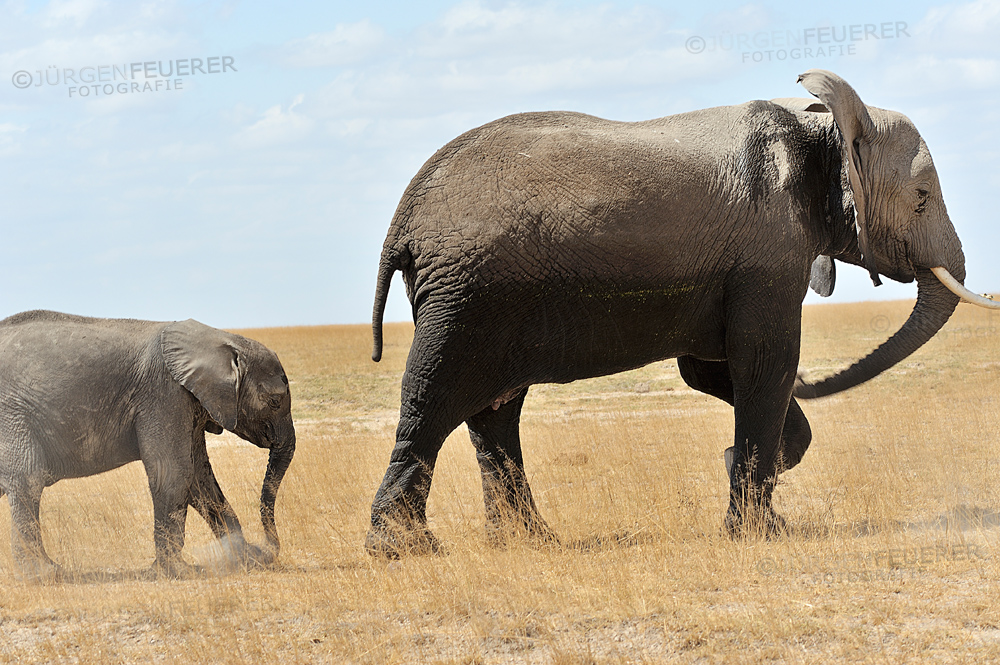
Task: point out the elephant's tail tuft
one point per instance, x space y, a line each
389 264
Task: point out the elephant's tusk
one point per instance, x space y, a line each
965 294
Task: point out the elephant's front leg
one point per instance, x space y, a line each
714 378
32 562
510 508
207 498
170 478
762 346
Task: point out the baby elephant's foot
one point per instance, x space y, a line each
247 556
39 571
174 568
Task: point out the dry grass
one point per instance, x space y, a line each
895 514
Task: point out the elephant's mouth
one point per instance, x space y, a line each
263 436
268 434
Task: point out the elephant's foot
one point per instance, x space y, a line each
174 568
39 571
395 542
254 557
232 553
755 521
236 549
533 530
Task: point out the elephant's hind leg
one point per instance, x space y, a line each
510 508
428 414
442 387
795 437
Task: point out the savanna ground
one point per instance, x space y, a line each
893 554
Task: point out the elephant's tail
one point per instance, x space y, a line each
387 267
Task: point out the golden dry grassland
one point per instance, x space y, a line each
892 556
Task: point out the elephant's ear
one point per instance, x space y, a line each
823 275
205 361
801 104
856 126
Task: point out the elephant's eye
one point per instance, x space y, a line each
274 401
921 200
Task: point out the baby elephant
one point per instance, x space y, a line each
79 396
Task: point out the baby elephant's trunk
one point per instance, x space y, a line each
277 463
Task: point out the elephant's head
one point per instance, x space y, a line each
243 387
903 228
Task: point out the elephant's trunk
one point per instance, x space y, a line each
935 303
277 463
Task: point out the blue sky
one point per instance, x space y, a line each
260 196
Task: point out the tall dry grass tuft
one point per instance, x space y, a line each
893 515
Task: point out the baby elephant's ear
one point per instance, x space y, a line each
205 361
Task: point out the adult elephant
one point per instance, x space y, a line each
550 247
80 396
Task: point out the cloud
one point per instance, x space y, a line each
962 27
513 57
516 30
346 43
72 11
9 135
277 126
952 52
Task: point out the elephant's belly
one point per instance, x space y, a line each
88 453
601 334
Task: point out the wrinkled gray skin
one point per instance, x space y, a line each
80 396
550 247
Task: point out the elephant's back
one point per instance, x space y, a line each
42 315
535 190
36 339
564 173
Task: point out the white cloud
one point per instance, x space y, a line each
744 19
346 43
277 126
517 57
516 30
925 76
9 135
73 11
953 51
962 26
